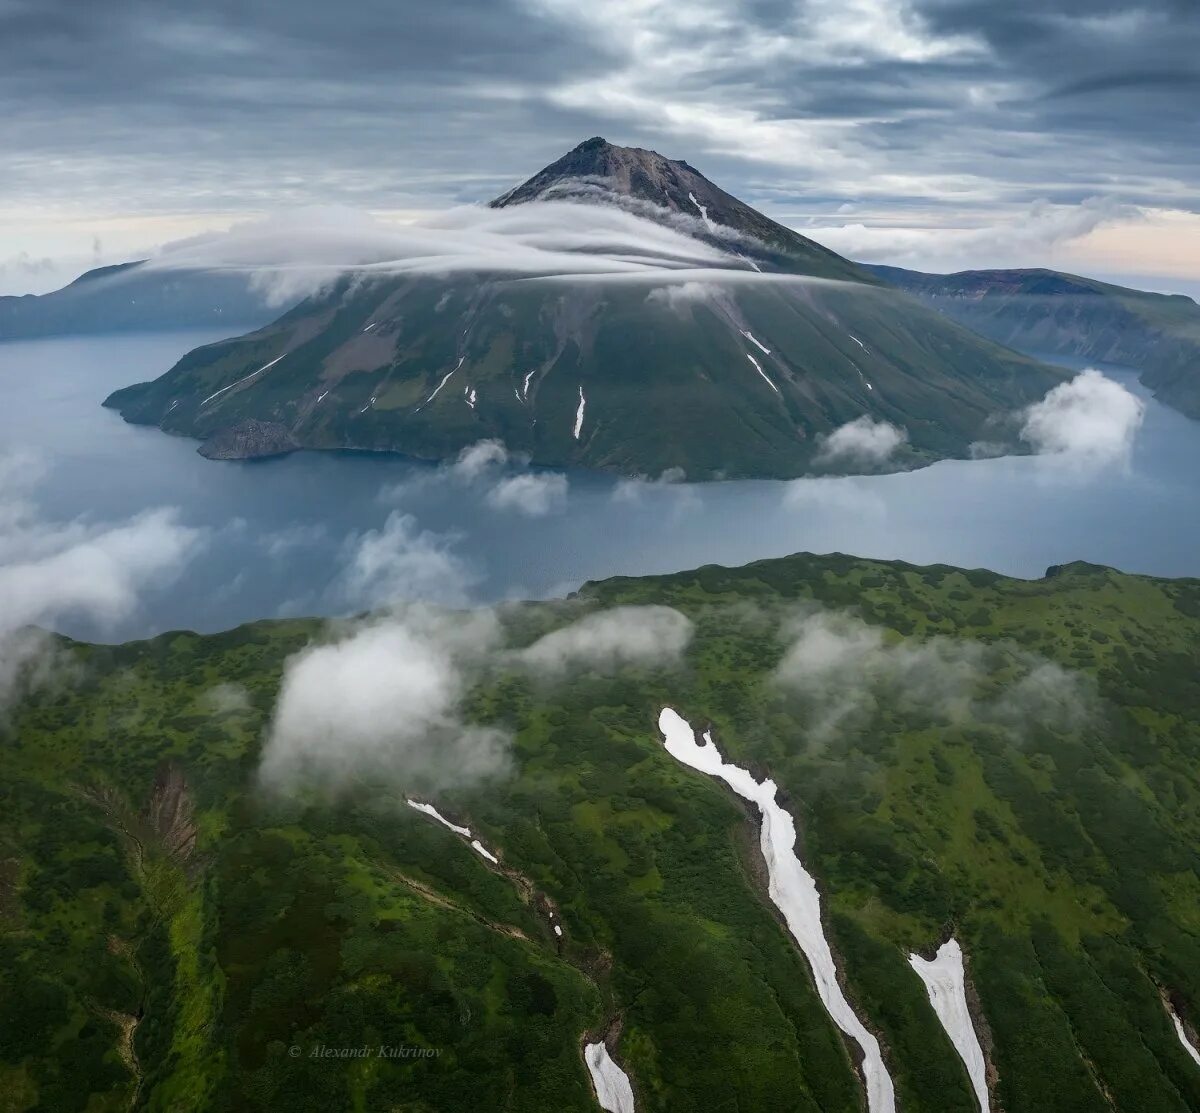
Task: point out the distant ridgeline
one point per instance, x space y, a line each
1062 314
736 354
134 297
1011 765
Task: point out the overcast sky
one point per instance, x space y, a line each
931 133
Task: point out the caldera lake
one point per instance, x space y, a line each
333 533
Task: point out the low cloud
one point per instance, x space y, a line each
679 297
55 571
383 703
1089 422
606 640
226 699
400 562
863 440
479 459
846 671
533 494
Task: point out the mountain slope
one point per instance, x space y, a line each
131 297
597 169
1063 314
700 347
171 937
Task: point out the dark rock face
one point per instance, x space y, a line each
597 170
249 439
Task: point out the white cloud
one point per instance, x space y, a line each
478 459
605 640
403 562
1089 422
863 440
533 494
382 702
1030 237
678 297
50 571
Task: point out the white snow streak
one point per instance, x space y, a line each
369 404
476 845
429 809
579 414
859 343
1183 1039
370 326
469 395
525 386
482 850
319 397
613 1090
758 368
792 890
750 336
946 984
218 393
440 385
703 211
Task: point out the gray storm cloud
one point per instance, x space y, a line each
382 702
845 670
56 570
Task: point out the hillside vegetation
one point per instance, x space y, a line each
1013 762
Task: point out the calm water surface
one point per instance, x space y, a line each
279 536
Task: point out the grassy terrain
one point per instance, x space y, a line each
190 948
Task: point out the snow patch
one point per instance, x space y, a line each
525 385
319 397
429 809
1181 1032
579 415
483 852
440 385
246 379
758 368
946 985
470 396
793 891
613 1091
757 343
703 211
465 832
558 930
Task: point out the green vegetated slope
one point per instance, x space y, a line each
1063 314
427 366
174 940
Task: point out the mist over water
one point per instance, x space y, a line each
330 533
